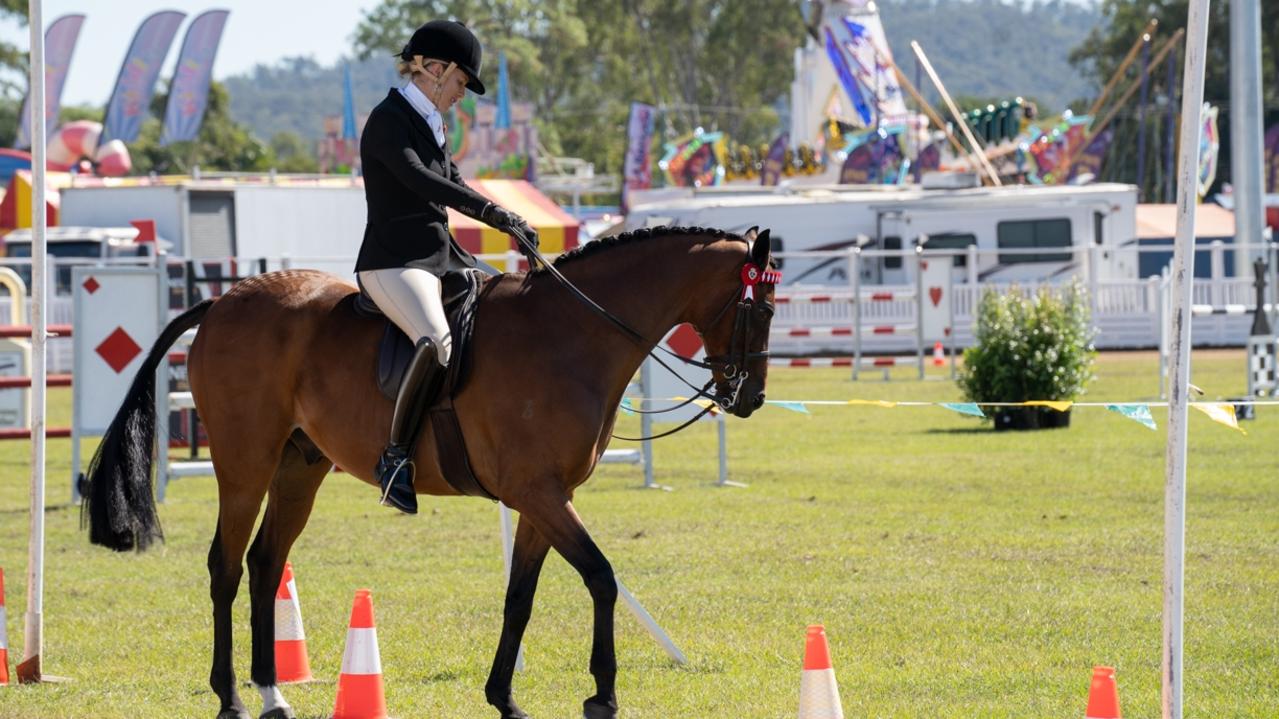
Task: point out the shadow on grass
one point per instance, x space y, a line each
960 430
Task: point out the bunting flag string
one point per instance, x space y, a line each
1222 413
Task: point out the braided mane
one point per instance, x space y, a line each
626 238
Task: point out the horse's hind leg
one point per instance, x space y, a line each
244 470
526 565
302 469
557 521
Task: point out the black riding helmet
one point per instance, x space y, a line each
450 41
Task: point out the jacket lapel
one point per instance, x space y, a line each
418 122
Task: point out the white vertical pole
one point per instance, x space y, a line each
33 635
1246 152
1179 387
983 163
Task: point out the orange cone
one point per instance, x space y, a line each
360 684
4 643
291 663
939 355
818 692
1103 695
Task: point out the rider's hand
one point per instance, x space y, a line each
503 219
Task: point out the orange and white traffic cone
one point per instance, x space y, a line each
818 692
1103 695
939 355
291 662
4 643
360 693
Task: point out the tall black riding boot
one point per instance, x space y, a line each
421 382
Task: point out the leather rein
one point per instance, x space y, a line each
732 365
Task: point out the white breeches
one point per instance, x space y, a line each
410 297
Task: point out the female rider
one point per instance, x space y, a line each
409 180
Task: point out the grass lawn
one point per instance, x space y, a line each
959 572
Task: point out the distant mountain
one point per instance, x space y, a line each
989 48
295 94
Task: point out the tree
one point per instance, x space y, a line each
717 64
292 153
1101 53
222 143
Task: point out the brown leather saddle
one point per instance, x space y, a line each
462 291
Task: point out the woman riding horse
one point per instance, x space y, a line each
409 180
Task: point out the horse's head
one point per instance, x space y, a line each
736 336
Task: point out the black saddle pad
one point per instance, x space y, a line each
461 293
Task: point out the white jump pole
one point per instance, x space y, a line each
654 629
29 668
1178 400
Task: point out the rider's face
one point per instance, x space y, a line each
450 91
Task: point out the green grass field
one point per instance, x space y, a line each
959 572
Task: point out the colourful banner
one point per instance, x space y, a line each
858 167
637 171
1090 159
868 49
1209 144
775 160
929 158
59 42
695 160
131 99
348 106
1271 154
189 92
846 78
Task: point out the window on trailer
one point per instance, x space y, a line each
893 262
1033 234
952 241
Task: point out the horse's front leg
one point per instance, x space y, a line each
526 566
558 521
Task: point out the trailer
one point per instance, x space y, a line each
1018 234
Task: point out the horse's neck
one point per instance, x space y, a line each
651 289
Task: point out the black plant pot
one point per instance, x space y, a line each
1030 418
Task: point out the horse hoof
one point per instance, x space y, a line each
279 713
595 709
234 714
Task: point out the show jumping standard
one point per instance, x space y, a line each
275 434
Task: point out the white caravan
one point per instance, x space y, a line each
1021 233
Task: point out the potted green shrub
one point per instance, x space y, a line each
1030 347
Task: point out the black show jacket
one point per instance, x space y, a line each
409 180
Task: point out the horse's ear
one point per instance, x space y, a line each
761 248
750 234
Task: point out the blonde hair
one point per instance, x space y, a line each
415 64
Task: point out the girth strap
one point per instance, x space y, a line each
450 447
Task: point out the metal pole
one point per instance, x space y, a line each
919 307
978 150
33 634
1141 117
650 624
1170 123
1178 407
646 425
855 280
1245 127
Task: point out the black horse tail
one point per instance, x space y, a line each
118 499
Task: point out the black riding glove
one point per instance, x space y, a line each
499 217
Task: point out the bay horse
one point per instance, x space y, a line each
282 371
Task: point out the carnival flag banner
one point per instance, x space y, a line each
1272 159
775 161
858 167
59 42
1090 159
637 171
189 93
131 99
1209 145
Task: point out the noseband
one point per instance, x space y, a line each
732 365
